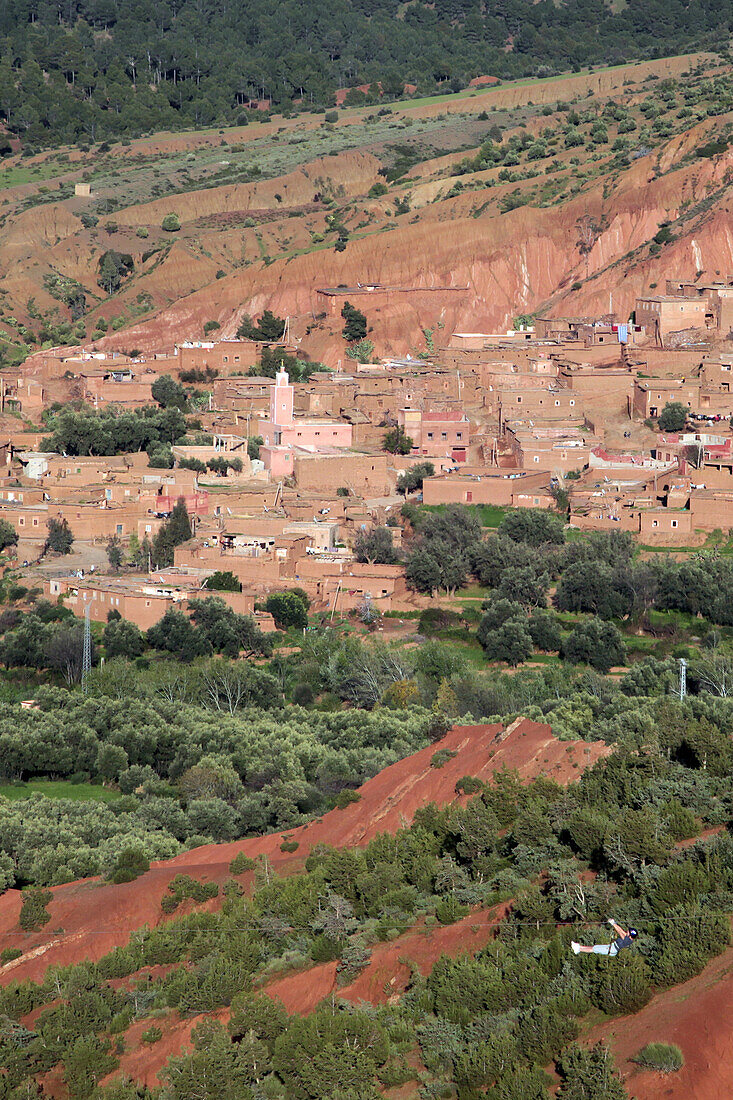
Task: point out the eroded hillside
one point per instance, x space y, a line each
482 206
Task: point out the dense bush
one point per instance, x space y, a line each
111 432
488 1022
189 772
129 865
33 911
663 1057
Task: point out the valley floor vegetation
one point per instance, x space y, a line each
198 744
205 729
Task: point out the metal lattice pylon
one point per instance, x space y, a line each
683 678
86 660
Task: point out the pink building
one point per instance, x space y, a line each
437 433
280 461
282 429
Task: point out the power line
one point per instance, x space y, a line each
498 923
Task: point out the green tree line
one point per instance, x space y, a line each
95 69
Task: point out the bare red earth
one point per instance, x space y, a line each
142 1062
89 918
387 974
384 979
698 1017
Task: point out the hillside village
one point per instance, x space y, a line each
366 551
280 478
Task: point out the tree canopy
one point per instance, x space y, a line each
83 432
96 70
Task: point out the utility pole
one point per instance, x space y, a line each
683 678
86 660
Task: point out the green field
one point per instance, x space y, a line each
488 515
36 173
80 792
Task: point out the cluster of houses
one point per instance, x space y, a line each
565 410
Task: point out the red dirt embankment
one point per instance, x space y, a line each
511 263
387 975
89 918
385 978
698 1017
142 1062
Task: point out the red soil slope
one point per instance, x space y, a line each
94 917
698 1017
386 977
508 264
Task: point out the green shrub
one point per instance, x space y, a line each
433 620
441 757
182 887
141 231
33 911
448 910
688 937
345 798
468 784
171 223
664 1057
8 954
289 845
619 985
241 863
354 957
130 864
152 1035
324 949
303 694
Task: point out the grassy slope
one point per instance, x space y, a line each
79 792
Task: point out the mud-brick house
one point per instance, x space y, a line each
664 313
123 385
650 397
226 356
550 404
344 585
592 385
436 432
142 599
553 449
142 603
505 488
717 295
247 395
366 475
90 522
21 393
